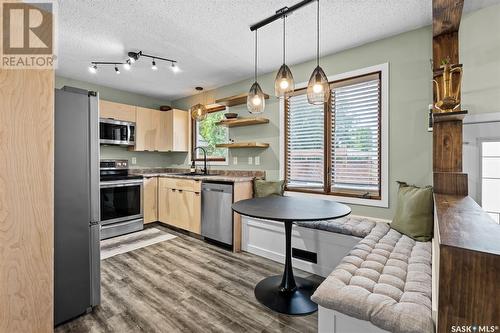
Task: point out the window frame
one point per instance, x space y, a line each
379 201
220 160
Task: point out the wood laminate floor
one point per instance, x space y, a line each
186 285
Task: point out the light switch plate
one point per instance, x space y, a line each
134 160
235 160
257 160
250 160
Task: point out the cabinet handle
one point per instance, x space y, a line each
197 193
179 190
173 190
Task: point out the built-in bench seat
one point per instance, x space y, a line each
357 226
385 279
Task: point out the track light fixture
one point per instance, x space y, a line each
132 58
93 68
174 68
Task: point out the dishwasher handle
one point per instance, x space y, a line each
212 190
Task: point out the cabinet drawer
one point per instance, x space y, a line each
181 184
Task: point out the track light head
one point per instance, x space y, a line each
174 68
127 64
153 66
93 68
134 56
117 71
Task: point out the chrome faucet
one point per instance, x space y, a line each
205 170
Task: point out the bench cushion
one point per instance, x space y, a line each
349 225
385 279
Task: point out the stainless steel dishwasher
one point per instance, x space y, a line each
216 212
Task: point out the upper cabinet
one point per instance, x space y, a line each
174 131
162 131
117 111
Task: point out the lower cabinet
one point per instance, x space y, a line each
180 206
150 203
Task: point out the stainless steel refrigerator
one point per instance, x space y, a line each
77 203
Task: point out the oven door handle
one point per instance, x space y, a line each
111 184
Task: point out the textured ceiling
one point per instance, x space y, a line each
211 38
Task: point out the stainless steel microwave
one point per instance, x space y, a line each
116 132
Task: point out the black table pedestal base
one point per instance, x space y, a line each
296 302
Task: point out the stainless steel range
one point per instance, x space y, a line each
121 199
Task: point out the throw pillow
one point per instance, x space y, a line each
264 188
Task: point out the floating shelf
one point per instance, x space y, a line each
235 100
243 122
243 145
448 116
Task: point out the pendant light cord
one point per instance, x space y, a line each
317 42
284 38
255 74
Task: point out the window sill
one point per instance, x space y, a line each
348 200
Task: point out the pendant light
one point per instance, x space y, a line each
198 111
255 99
318 89
284 79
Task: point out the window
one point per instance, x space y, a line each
490 178
207 134
336 148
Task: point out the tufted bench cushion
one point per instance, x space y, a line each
385 279
349 225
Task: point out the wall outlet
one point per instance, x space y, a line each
134 160
235 160
250 160
257 160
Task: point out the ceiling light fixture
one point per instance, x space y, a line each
199 111
256 101
93 68
284 79
132 58
318 88
175 68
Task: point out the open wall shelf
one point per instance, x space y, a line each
243 145
243 122
235 100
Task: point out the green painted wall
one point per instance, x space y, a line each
410 93
144 159
480 55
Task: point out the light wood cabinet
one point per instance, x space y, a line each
179 207
174 131
146 129
150 203
117 111
162 131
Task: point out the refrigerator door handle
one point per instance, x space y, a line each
95 201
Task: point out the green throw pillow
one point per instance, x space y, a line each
413 216
264 188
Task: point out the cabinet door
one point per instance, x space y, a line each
117 111
188 211
180 140
150 205
145 130
165 130
165 202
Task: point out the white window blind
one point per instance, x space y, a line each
355 133
304 144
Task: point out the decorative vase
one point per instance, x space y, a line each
448 88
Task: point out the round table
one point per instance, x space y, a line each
288 294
